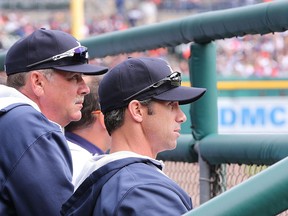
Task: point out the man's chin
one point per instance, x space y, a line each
76 117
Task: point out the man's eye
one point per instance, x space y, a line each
76 77
173 104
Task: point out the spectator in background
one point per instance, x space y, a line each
88 136
120 7
149 11
140 100
134 15
45 91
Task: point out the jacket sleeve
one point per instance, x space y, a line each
153 199
41 181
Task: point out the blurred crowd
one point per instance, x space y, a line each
254 56
249 56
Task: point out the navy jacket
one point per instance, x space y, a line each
35 163
130 186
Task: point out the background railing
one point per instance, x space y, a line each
211 149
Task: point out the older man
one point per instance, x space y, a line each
45 91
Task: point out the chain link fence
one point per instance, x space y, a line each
223 177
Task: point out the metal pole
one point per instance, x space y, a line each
77 18
203 113
204 177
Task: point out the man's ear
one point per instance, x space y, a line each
100 118
136 110
37 82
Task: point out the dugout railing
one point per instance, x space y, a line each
262 194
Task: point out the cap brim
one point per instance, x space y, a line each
86 69
182 94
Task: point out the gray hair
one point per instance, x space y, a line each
18 80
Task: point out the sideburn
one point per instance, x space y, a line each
150 109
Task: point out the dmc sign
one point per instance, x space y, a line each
253 115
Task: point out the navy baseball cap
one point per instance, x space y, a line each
45 49
141 79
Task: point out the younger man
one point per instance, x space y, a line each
140 99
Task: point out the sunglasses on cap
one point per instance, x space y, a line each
174 79
79 54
